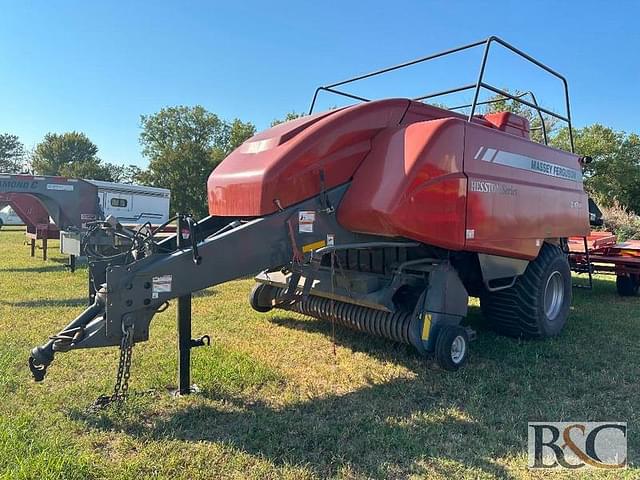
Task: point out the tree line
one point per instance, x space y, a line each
70 154
183 144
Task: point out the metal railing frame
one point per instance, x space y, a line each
476 87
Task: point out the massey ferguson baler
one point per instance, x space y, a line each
384 217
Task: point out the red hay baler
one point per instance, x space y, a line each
383 216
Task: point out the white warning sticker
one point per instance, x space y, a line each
60 186
306 218
161 284
331 239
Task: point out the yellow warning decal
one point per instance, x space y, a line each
313 246
426 326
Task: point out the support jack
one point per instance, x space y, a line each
183 317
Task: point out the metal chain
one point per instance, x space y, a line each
121 387
333 305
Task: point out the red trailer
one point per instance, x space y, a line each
601 252
35 217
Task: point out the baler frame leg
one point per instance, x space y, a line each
183 323
183 320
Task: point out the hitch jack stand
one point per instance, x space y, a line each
183 320
184 345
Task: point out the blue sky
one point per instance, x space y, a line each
97 66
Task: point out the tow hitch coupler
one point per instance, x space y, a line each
42 356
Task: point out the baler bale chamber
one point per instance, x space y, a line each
383 217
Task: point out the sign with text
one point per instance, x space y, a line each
576 445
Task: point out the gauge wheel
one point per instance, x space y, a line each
452 347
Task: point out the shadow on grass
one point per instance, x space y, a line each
376 431
433 422
12 228
47 303
34 269
51 265
81 262
207 292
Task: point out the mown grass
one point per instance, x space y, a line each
276 402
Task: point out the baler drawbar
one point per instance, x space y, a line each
383 216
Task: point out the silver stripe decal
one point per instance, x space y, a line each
531 164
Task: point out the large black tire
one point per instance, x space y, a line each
627 285
260 297
538 304
1 224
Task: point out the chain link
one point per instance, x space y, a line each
333 303
121 387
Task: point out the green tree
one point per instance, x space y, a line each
93 169
60 151
12 154
71 154
127 174
614 173
288 117
183 145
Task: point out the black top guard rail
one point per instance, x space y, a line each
475 87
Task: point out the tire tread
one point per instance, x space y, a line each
514 311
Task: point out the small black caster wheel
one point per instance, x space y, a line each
452 347
260 297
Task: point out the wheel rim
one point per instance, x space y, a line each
553 295
458 349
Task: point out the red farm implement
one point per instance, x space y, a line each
601 252
35 217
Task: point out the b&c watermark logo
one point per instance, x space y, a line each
577 445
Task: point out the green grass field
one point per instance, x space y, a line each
276 402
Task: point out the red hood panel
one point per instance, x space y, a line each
282 164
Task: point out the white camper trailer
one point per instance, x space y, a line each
9 217
133 204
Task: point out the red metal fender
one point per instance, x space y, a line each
412 185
